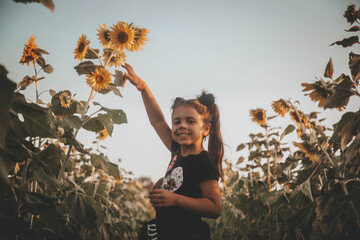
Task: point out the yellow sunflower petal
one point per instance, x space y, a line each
305 148
65 99
139 39
258 116
280 107
99 79
29 53
122 35
103 134
104 36
81 47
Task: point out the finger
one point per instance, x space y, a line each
126 67
157 190
129 66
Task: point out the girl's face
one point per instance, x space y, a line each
188 127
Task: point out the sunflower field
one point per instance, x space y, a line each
53 187
312 192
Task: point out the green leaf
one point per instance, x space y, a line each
329 70
41 61
49 160
40 51
52 92
353 148
305 188
115 90
289 129
45 207
341 94
354 65
48 68
117 116
70 139
240 147
347 42
71 122
37 120
119 78
90 53
86 67
98 123
102 162
345 129
113 170
305 173
82 209
49 182
353 29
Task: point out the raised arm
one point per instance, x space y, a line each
153 110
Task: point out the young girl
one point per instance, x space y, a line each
190 187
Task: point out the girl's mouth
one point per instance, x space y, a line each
181 134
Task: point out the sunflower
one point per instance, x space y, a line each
29 53
122 35
304 120
65 99
81 48
259 116
103 134
281 107
117 58
308 150
140 39
104 36
99 79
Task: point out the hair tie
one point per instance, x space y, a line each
208 100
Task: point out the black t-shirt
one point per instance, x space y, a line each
184 176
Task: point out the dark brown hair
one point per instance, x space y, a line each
206 107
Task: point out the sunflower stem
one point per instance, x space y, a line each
107 62
36 82
61 173
268 156
97 55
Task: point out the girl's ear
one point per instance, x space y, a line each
207 128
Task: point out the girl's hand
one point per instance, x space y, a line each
130 74
162 198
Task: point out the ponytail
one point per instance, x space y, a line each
215 144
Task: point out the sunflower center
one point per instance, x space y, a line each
259 115
81 47
123 37
99 79
107 35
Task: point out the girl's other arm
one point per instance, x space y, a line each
153 110
207 206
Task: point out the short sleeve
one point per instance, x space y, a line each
206 170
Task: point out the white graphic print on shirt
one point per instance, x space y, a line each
173 179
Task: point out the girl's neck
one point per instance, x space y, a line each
187 150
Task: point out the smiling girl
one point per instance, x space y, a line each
190 187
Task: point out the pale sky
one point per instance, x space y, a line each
247 53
